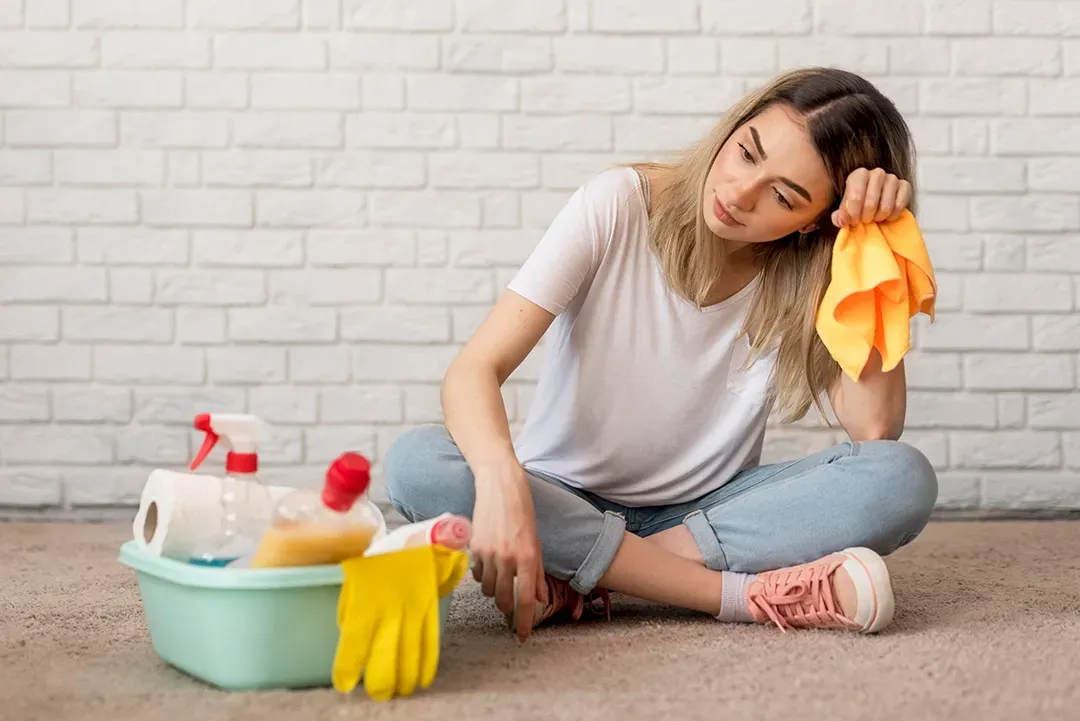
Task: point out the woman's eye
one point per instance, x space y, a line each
746 154
781 199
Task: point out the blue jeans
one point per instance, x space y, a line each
877 494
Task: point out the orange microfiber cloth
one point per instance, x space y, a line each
881 277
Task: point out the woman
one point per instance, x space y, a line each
681 302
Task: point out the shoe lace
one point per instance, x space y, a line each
561 596
801 597
602 595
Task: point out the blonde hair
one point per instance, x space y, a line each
852 125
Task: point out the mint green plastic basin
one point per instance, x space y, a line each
243 629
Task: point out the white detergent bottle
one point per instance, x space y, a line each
448 529
246 504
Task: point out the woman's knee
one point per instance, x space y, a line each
426 474
905 488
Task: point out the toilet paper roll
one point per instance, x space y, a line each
177 510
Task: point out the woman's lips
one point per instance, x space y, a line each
722 215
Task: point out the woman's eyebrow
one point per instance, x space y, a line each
798 189
757 142
790 183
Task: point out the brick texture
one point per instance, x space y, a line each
303 209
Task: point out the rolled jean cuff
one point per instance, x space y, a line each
712 553
601 555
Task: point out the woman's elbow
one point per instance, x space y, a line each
878 430
465 367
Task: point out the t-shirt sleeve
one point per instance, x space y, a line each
570 250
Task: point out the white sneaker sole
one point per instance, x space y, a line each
873 587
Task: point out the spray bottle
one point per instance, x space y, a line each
311 528
245 502
449 530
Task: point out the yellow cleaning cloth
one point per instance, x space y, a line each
388 619
881 277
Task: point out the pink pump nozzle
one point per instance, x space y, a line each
453 532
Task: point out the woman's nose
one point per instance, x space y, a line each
743 197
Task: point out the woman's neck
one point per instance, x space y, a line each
742 261
739 271
739 253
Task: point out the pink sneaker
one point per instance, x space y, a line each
564 603
804 596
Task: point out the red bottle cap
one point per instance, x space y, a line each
346 479
241 462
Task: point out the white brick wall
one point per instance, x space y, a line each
301 208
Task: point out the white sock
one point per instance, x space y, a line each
733 602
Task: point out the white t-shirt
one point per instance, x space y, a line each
641 399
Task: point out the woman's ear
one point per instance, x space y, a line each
808 228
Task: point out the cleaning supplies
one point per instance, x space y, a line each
388 619
309 528
271 629
245 502
179 510
881 277
448 530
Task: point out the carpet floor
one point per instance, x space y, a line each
987 626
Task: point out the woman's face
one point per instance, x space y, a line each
767 181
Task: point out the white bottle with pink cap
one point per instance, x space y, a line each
449 530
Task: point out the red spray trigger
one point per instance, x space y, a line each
202 423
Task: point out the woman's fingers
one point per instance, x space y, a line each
887 202
903 199
504 585
872 196
489 575
875 183
526 600
855 194
541 585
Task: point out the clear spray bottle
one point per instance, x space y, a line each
245 503
327 526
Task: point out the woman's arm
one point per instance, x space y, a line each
471 397
873 408
505 543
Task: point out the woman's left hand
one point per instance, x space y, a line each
872 195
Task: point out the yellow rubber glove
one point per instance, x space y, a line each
388 619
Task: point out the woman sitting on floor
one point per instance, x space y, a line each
681 300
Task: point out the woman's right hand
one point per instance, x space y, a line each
505 544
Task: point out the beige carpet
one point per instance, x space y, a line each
988 626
